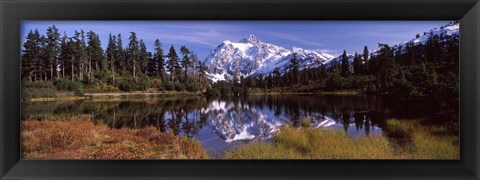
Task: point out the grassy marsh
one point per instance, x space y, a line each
81 139
311 143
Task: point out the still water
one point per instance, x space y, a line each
222 123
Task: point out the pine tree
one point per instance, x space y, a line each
30 56
121 55
172 62
195 61
43 60
399 56
365 60
202 74
152 65
133 55
410 54
64 57
111 54
52 50
277 78
345 65
294 68
37 58
186 60
95 54
160 60
72 62
387 66
357 65
82 55
269 81
76 65
143 58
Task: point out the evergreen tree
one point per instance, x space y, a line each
202 74
452 51
95 54
72 62
64 57
195 62
52 50
172 62
43 60
365 59
410 54
430 49
399 56
30 56
152 65
112 54
357 65
269 83
133 54
294 68
186 60
121 55
277 78
82 53
143 59
160 61
345 65
387 66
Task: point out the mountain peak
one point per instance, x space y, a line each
250 39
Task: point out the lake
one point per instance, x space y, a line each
226 122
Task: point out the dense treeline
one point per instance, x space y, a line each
79 61
417 69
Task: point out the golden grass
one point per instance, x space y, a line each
432 142
311 143
81 139
63 98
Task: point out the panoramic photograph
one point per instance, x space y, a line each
325 90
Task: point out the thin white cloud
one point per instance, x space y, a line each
329 51
295 38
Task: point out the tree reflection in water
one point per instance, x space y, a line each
253 117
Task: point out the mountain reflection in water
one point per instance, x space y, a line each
222 123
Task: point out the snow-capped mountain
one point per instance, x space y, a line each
251 56
444 33
233 121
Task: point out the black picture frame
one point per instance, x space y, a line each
12 12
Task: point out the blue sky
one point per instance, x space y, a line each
203 36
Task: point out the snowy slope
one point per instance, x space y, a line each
451 30
251 56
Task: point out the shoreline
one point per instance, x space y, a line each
113 95
119 95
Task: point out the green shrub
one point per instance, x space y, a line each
156 83
38 93
193 87
38 84
180 87
237 90
213 92
26 95
101 87
69 85
169 86
225 90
